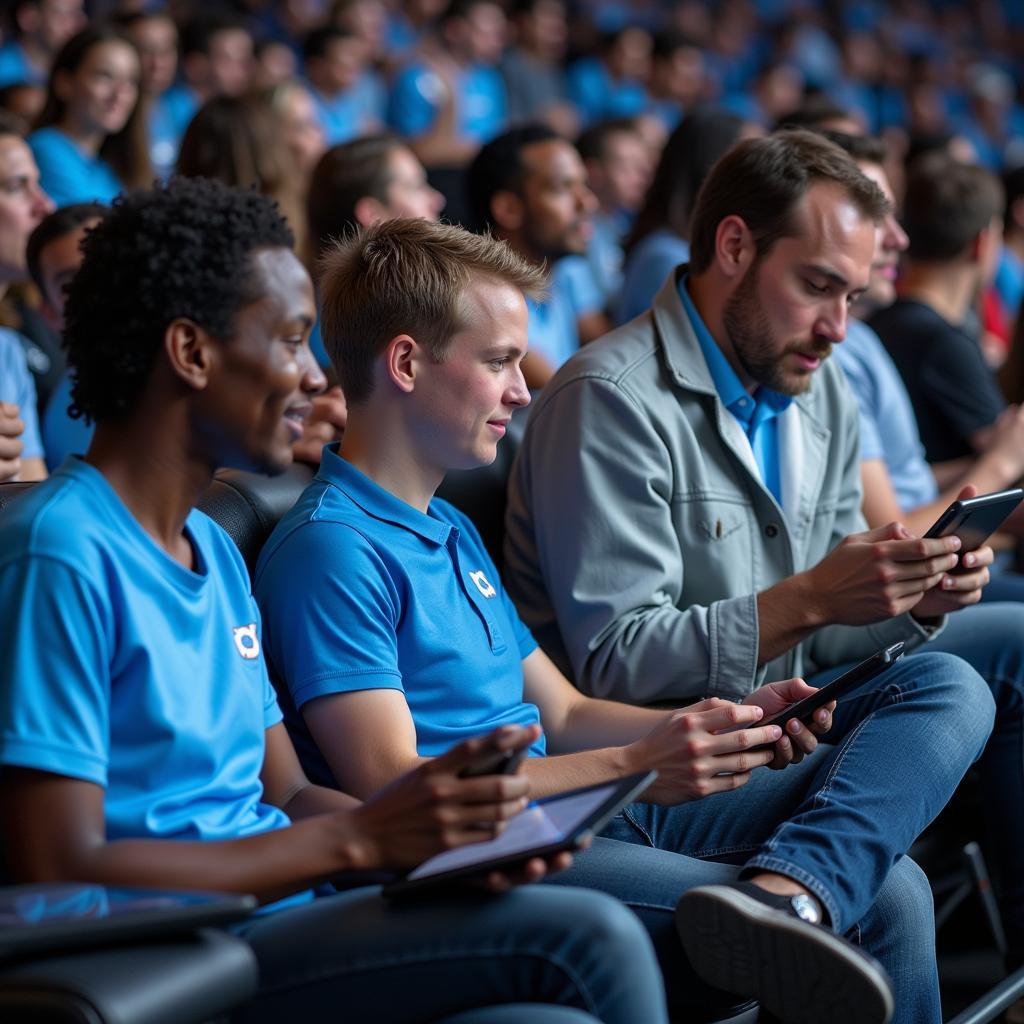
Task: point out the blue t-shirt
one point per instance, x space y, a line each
354 112
360 591
16 68
62 435
123 668
178 106
599 97
67 174
888 427
652 259
17 386
551 326
481 103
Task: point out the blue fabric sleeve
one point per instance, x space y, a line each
410 110
18 386
55 701
871 443
341 619
578 277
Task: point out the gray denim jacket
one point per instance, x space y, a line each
639 531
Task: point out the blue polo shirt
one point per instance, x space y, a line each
17 387
360 591
353 112
551 325
757 414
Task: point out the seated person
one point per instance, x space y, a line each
729 547
529 188
451 99
952 213
141 743
53 255
387 627
657 243
90 140
349 98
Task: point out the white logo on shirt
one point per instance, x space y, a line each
246 641
482 585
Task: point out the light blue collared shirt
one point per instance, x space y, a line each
757 414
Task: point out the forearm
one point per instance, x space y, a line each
270 865
557 774
591 724
787 613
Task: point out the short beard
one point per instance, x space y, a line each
750 333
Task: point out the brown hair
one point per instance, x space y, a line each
127 151
762 180
946 204
405 276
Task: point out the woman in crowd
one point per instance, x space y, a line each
90 140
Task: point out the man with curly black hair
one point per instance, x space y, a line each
139 735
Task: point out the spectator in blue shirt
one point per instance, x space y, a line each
155 36
53 255
22 205
216 60
140 739
529 186
90 140
658 241
451 99
618 164
677 82
40 29
349 97
612 83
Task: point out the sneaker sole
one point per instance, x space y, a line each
800 972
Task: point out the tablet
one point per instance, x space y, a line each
54 916
974 520
556 823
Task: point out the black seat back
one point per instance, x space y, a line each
249 505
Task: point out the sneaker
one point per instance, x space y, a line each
753 943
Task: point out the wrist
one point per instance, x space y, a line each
806 601
353 849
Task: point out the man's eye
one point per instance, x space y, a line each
499 364
817 289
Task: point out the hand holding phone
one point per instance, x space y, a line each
975 519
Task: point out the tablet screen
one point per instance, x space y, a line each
541 824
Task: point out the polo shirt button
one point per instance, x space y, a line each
771 530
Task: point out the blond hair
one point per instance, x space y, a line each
405 276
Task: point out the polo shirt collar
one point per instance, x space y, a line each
763 405
377 502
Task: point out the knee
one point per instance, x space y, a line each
957 696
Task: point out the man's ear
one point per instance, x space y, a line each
190 353
507 210
734 246
401 362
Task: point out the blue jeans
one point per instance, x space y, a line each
839 822
990 638
354 956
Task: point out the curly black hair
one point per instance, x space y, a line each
180 249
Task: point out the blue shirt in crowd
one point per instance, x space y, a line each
361 591
598 96
354 112
481 103
62 435
16 68
551 327
888 427
17 387
757 414
652 259
67 174
125 669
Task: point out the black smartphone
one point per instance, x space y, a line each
849 680
974 520
494 762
